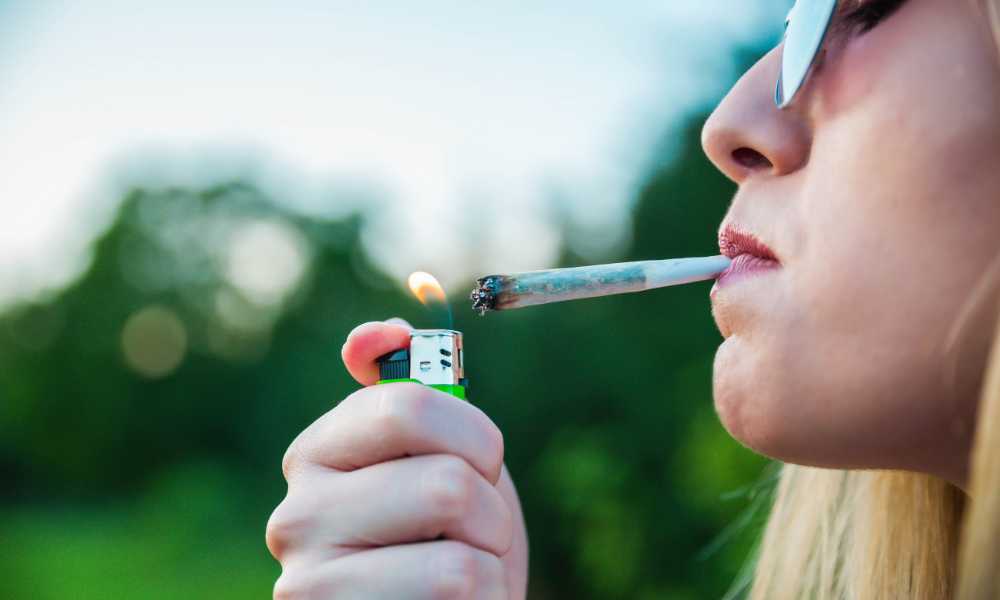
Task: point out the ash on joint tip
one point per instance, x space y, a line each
484 297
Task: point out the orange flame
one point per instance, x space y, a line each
424 286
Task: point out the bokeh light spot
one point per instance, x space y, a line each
154 341
266 261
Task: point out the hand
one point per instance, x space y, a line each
398 492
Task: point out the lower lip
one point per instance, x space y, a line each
745 265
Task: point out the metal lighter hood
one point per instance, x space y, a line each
433 358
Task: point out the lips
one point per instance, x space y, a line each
750 255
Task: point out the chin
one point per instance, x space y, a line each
754 404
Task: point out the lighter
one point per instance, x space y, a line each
434 359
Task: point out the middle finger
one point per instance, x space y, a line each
406 500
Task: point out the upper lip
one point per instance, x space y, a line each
734 241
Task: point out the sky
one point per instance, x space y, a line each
431 116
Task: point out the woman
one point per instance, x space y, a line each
858 326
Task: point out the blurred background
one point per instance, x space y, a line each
199 201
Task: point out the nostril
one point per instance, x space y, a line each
751 159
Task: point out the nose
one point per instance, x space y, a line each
748 135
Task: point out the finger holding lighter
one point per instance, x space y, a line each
399 491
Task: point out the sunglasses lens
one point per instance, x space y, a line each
804 35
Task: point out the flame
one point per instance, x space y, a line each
424 286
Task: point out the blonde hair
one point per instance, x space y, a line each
881 535
980 553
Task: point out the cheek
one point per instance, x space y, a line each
847 366
889 230
850 367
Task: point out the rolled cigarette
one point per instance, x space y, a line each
504 292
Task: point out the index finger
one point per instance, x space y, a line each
369 341
385 422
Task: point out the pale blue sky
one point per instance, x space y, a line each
449 108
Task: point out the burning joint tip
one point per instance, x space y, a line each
484 297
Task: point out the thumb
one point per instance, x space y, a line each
369 341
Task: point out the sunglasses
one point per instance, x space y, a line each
805 30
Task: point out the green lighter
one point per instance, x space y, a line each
434 358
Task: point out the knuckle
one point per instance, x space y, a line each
287 588
290 461
457 573
295 586
506 519
495 437
297 455
491 572
396 409
286 528
449 487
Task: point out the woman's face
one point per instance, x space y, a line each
878 194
